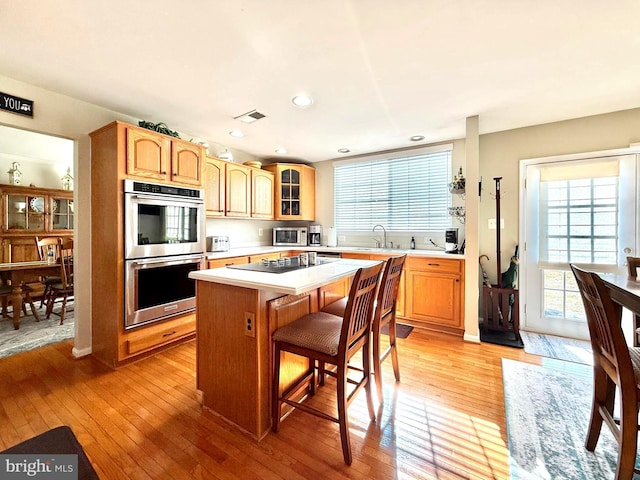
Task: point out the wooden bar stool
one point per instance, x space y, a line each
384 314
326 338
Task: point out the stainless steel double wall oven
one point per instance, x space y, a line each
164 241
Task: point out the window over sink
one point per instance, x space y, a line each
405 191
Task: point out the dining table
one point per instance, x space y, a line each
15 273
625 291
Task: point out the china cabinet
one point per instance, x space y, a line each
30 212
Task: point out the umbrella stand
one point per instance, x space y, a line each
500 300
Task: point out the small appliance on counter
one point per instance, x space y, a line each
218 244
451 240
315 235
290 236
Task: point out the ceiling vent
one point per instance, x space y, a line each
250 117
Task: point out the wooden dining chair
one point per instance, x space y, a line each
632 265
48 248
615 364
384 315
328 339
5 293
64 288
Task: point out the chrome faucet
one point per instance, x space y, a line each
384 243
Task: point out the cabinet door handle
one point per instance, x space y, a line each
168 334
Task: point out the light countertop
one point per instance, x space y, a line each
261 250
292 283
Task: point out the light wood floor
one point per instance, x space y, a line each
444 420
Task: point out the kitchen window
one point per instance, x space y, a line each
404 191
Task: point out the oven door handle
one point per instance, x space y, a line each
153 200
149 262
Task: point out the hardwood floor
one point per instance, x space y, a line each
444 420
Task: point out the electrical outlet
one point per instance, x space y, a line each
342 238
492 224
260 232
250 324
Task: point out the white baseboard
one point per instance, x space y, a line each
471 338
80 352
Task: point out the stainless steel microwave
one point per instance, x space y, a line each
290 236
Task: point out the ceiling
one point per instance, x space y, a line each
379 71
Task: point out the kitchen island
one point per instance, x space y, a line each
236 313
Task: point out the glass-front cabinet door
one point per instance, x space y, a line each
290 192
25 212
40 211
61 213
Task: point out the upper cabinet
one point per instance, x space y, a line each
233 190
238 185
262 185
39 210
214 186
295 191
154 156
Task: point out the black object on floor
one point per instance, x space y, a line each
59 440
402 331
500 338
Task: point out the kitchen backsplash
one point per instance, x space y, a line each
246 233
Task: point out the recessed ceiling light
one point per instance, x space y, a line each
302 100
417 138
281 151
236 133
344 150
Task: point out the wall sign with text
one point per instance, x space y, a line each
18 105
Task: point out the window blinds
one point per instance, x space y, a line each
405 194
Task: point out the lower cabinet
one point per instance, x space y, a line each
225 262
434 296
151 337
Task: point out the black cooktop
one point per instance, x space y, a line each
275 267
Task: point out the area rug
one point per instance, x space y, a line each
561 348
547 411
32 334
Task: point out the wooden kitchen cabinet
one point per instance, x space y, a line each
121 151
295 187
157 157
434 295
262 187
30 212
238 191
187 161
214 186
328 294
225 262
